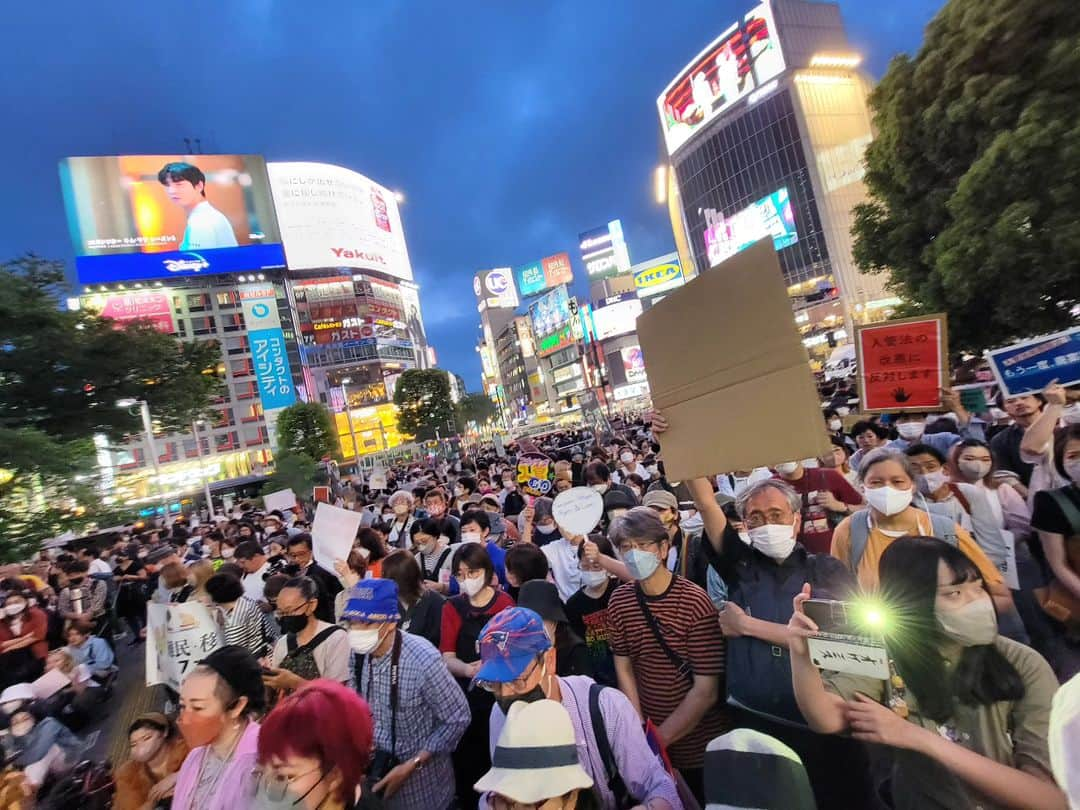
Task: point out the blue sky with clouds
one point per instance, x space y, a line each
510 127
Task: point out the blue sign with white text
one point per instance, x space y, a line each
1030 366
205 262
272 371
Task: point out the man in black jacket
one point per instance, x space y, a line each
300 554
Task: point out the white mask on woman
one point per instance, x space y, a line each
888 500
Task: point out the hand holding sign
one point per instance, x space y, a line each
577 510
535 474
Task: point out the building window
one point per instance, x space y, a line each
198 302
227 299
203 326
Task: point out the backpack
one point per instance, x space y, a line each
944 528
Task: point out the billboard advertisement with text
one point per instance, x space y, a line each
161 216
604 251
616 315
334 217
154 306
537 277
495 288
657 276
736 63
769 216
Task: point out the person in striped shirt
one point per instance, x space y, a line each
244 622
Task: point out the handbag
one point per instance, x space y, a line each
1057 601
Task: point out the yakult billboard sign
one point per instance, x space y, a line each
330 216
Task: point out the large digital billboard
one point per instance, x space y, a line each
616 315
334 217
604 251
659 275
739 61
769 216
152 306
552 322
161 216
537 277
495 288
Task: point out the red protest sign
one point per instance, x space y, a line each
902 364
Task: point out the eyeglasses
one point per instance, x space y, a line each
276 786
757 519
638 545
516 685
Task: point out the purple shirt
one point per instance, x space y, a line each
235 787
639 767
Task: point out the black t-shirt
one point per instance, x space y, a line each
588 618
1006 448
1047 515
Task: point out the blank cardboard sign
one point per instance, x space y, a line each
728 369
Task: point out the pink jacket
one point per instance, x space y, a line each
234 789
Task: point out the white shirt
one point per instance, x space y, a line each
331 656
254 583
565 568
207 228
99 566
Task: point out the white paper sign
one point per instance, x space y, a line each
851 656
283 500
49 684
333 533
1008 569
578 510
177 638
377 479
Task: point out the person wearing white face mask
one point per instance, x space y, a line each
826 498
888 480
629 465
763 568
911 426
476 528
418 728
966 711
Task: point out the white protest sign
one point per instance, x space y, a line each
578 510
849 654
49 684
177 638
282 500
377 479
333 533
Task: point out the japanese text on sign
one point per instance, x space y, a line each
272 368
178 637
901 364
1033 364
849 654
535 473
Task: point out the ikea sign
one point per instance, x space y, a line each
658 276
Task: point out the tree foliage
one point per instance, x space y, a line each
295 471
974 174
475 408
307 428
423 400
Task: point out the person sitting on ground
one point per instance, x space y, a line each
149 776
90 650
41 746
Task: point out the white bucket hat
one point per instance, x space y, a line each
536 757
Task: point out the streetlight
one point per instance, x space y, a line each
202 468
148 427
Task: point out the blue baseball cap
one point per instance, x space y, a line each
509 643
372 600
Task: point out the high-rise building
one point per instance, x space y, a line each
299 270
765 131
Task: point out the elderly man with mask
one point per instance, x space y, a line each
419 710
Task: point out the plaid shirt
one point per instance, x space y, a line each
432 715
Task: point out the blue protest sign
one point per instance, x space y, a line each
1031 365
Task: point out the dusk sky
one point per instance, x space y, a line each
510 127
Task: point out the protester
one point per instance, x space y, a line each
436 504
251 557
524 562
148 778
370 547
349 571
90 650
40 746
1007 444
401 529
868 435
420 609
300 555
243 619
598 476
669 651
309 648
476 528
83 598
571 654
518 663
535 762
22 640
219 700
1056 517
826 498
434 554
420 712
839 459
586 610
199 574
977 736
313 750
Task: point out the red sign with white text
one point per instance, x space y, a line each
153 306
902 364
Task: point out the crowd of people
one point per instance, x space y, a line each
471 652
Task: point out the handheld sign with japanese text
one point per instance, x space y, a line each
1028 367
535 474
577 510
177 638
847 641
902 364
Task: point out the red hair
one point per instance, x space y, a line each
325 721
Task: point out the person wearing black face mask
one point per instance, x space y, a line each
309 648
518 664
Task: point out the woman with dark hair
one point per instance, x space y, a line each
433 553
421 609
244 624
966 711
131 577
148 778
524 562
371 548
463 617
314 748
1056 517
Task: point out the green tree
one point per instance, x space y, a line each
307 428
295 471
423 400
974 175
475 408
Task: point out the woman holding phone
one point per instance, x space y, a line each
966 712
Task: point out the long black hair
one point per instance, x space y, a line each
909 582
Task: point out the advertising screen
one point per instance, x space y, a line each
736 63
616 315
495 288
769 216
633 364
154 306
604 251
160 216
552 322
334 217
536 277
657 276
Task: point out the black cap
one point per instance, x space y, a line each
543 597
240 670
